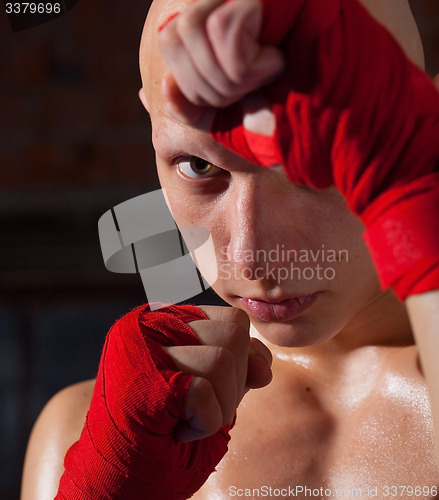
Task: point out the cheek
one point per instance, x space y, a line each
178 204
340 232
200 224
335 224
356 279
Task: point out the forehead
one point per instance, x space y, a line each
152 66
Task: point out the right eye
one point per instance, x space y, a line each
197 168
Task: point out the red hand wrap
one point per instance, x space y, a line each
352 111
126 450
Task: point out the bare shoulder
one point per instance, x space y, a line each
56 429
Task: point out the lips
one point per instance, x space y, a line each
286 310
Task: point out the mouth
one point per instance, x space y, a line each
285 310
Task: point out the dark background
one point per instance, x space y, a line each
74 142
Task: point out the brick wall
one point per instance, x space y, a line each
70 114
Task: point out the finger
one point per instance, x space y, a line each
178 107
203 411
259 365
184 111
228 327
233 30
217 366
180 62
261 350
234 338
267 67
191 28
193 63
226 313
190 82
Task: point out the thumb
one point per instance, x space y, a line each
259 365
180 108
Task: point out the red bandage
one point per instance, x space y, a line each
352 111
127 450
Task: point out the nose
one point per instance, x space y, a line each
252 230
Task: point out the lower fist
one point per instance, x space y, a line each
225 366
160 388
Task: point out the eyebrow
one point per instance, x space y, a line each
199 143
211 150
176 136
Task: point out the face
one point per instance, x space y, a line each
293 258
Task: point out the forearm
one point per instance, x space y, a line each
423 311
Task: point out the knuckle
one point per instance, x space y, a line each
188 90
202 388
238 339
223 313
239 73
239 316
229 92
189 21
228 88
195 98
218 101
223 360
238 335
195 93
217 23
167 40
207 411
212 99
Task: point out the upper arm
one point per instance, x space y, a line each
397 17
423 311
56 429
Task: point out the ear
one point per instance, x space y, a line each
142 98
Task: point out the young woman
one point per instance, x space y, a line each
340 406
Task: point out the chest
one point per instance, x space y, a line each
372 432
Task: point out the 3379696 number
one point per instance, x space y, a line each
410 491
32 8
